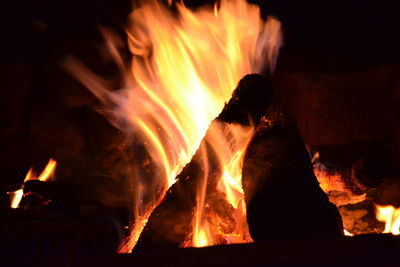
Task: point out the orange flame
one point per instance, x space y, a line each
230 143
185 66
390 216
46 175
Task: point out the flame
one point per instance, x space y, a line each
347 233
46 175
184 67
230 143
15 198
48 172
390 216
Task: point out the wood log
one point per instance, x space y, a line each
278 179
283 198
171 221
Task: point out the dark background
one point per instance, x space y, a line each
338 72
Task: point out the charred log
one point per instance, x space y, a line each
249 101
284 200
170 223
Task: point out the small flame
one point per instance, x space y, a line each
15 198
184 67
347 233
48 172
390 216
46 175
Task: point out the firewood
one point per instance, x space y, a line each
283 198
249 101
171 221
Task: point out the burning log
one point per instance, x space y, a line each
170 225
282 194
170 222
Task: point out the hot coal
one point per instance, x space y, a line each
360 218
284 200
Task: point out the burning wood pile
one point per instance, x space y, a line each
204 152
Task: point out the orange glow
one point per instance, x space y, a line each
390 216
47 174
184 67
334 185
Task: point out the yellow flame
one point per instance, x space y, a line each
15 198
390 216
184 67
201 239
45 175
229 142
48 172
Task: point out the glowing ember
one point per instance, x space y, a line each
47 174
391 217
334 184
185 66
